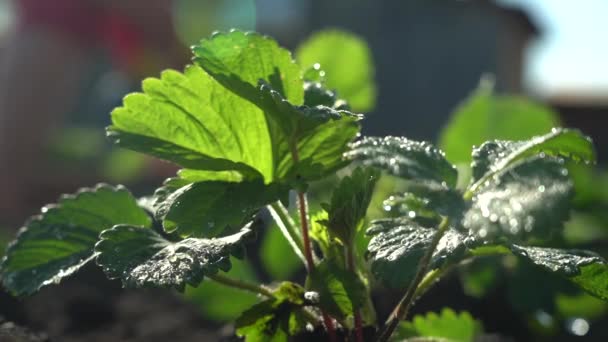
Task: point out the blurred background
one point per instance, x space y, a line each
65 64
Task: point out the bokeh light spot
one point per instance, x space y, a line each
197 19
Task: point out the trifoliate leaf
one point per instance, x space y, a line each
530 199
274 319
143 258
446 326
398 245
341 292
346 62
586 269
206 209
349 203
409 159
485 116
202 122
59 241
238 60
494 156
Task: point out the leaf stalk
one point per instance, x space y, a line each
242 285
402 308
288 228
310 264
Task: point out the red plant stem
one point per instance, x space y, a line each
350 261
303 209
310 265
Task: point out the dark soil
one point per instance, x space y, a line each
88 307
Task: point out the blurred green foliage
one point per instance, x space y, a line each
221 303
447 326
277 256
344 63
484 116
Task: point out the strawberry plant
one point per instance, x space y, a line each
248 126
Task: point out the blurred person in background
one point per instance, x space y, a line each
51 62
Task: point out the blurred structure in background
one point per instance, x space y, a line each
431 54
64 65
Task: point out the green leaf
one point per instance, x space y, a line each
192 120
426 204
315 94
59 241
202 123
310 140
485 116
143 258
529 199
448 325
330 246
398 245
207 209
494 156
347 65
341 292
349 202
238 60
274 319
586 269
411 160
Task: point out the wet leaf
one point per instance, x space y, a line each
315 94
346 64
59 241
143 258
408 159
398 245
586 269
207 209
494 156
426 204
530 199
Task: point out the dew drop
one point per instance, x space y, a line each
493 217
544 318
316 66
541 188
578 326
482 233
411 214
